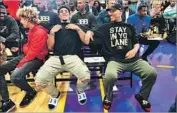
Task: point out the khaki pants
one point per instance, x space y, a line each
53 66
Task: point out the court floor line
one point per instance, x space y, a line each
102 91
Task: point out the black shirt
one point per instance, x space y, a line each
88 20
116 39
67 42
48 19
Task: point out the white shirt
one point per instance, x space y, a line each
126 15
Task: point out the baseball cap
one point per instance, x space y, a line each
117 6
63 6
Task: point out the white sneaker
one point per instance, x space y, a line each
82 98
53 102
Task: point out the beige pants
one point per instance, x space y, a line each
52 67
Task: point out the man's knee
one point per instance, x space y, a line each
86 78
41 84
16 77
109 75
152 74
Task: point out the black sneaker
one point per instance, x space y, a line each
8 106
107 103
145 105
28 98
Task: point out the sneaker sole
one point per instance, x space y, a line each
11 109
82 103
29 102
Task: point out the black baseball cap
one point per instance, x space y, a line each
117 6
64 6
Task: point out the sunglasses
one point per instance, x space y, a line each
64 11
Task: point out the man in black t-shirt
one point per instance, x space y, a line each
47 18
82 17
119 48
65 40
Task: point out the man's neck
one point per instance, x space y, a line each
119 20
65 21
127 10
83 12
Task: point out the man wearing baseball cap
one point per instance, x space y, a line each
119 48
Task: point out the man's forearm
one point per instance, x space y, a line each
82 35
136 47
51 41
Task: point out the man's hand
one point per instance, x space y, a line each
14 49
55 29
72 27
2 39
130 54
89 35
2 46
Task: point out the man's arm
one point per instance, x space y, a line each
132 53
79 31
93 21
14 30
51 39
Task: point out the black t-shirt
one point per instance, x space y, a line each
48 19
88 20
67 42
116 39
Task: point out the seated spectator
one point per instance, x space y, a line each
141 21
65 40
119 48
170 14
9 30
158 27
34 55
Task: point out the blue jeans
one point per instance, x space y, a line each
18 76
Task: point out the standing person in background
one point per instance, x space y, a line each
12 7
83 17
73 8
47 19
98 6
91 8
170 14
103 16
133 5
127 11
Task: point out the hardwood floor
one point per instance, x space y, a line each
40 103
